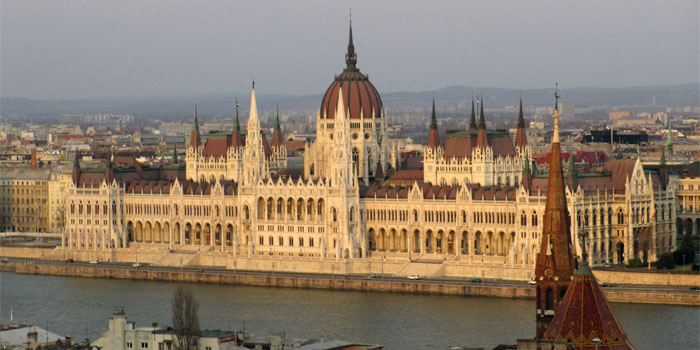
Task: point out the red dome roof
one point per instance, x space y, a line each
360 96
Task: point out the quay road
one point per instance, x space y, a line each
486 282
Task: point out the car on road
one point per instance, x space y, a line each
136 264
70 260
476 280
370 276
94 261
607 285
694 288
606 265
531 281
413 277
4 259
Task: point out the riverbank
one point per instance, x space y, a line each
332 282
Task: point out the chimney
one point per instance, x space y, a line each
32 338
33 159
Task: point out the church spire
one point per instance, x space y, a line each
555 262
472 120
351 56
175 161
433 136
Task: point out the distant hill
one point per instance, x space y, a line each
220 104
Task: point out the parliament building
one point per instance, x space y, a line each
475 199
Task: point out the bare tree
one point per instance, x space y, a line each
185 319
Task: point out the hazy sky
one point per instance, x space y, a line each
84 49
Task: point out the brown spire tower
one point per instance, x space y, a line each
555 264
433 136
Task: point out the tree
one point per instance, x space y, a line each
185 319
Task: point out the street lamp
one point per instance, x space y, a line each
596 341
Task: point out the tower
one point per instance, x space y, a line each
555 264
277 137
520 137
434 135
254 158
481 140
472 120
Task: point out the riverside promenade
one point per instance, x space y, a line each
625 293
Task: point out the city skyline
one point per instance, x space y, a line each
124 50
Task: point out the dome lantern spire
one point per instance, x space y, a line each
351 56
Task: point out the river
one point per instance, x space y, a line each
82 306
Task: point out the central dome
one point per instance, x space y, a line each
359 95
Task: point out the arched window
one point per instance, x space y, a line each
334 214
523 219
534 218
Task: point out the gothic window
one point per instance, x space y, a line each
534 218
334 214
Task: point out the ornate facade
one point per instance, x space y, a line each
475 201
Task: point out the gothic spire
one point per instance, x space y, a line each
521 120
277 116
520 137
433 136
351 56
236 122
555 263
175 161
433 121
195 137
472 120
482 122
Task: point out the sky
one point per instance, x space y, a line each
60 50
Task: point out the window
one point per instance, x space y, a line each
291 241
144 345
129 345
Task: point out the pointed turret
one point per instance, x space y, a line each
379 174
584 315
481 139
175 160
472 120
520 137
434 135
236 137
555 262
253 132
277 137
195 138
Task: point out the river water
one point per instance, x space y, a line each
82 306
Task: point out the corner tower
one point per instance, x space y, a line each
555 264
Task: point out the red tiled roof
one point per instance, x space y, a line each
359 95
217 146
584 314
621 170
405 177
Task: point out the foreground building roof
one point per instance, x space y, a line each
584 315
